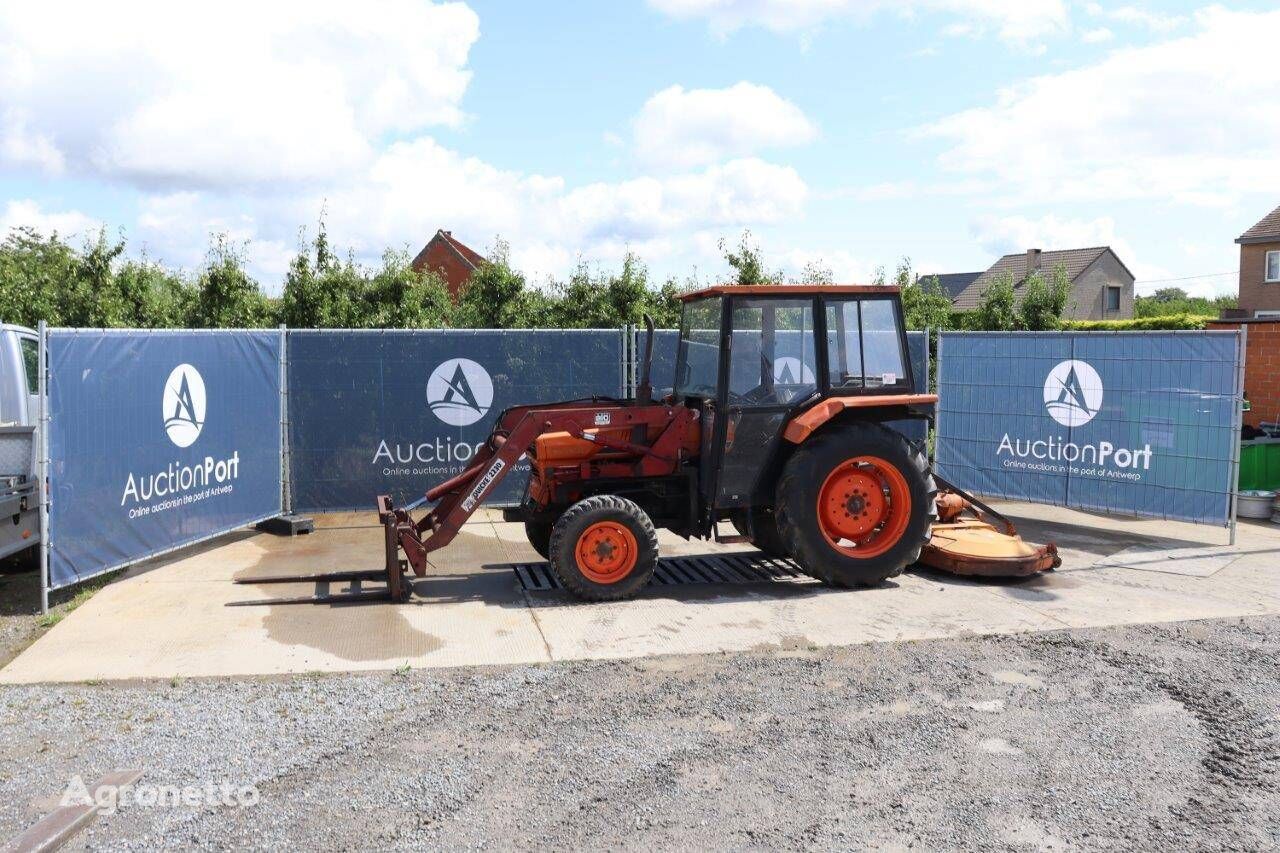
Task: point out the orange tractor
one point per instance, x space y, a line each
777 424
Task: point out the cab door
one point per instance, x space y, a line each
771 370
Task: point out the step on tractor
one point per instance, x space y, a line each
779 426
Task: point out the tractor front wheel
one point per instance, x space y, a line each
855 504
604 548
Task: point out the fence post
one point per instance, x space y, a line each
42 462
1237 421
628 360
286 488
937 408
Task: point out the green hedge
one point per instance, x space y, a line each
968 321
1174 322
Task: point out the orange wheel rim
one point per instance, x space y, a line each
864 506
607 551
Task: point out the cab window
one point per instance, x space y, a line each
31 363
698 353
864 347
772 361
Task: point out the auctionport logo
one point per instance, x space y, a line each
789 370
183 405
1073 393
459 392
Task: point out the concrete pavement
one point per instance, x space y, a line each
171 617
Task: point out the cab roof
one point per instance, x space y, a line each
784 290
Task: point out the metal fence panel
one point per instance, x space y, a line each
157 439
396 411
665 342
1137 423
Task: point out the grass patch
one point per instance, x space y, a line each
86 592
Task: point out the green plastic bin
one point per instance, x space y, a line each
1260 464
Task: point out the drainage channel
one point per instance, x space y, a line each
675 571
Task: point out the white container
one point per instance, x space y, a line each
1254 503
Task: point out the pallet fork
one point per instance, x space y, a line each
396 586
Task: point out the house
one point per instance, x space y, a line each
955 283
452 260
1260 268
1101 285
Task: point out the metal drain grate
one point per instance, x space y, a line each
674 571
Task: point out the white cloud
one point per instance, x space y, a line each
69 224
252 121
1193 119
846 268
680 128
1003 235
1135 15
1015 20
1097 36
418 185
258 93
1010 234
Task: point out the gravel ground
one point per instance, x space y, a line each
21 622
1104 738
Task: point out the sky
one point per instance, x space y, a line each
847 133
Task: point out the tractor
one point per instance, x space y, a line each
777 425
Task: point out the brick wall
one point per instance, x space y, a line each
1257 294
1261 368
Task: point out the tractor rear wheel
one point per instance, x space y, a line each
604 548
855 503
763 530
539 533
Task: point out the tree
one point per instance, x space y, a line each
494 297
1167 302
153 297
226 296
816 272
996 312
925 305
33 269
400 297
602 300
1169 294
747 262
1043 302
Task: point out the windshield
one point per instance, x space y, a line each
698 354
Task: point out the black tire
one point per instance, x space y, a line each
580 518
763 531
798 495
539 533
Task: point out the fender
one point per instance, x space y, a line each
803 424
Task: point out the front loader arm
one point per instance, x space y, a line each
513 435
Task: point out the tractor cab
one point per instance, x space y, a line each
766 366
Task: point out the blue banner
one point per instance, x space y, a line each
157 440
663 373
1141 423
395 412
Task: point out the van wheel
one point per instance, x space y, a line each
604 548
855 504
